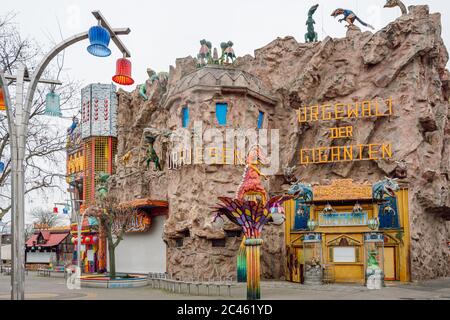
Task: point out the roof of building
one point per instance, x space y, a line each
226 78
51 239
154 207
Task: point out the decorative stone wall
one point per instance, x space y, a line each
405 60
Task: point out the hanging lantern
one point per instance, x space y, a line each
123 72
52 105
373 224
312 225
2 101
99 38
55 210
87 240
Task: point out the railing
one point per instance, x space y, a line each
167 282
343 219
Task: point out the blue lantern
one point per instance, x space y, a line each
99 38
53 105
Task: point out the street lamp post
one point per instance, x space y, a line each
18 128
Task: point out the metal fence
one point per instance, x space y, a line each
213 286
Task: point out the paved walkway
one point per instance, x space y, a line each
55 289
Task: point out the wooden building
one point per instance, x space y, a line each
343 211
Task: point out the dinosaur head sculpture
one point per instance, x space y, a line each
390 186
337 12
313 9
391 3
301 191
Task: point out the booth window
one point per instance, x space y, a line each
260 120
221 113
344 254
185 117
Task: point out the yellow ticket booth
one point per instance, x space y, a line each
343 213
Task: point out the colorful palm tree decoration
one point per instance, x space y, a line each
251 216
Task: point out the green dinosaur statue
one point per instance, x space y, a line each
396 3
372 261
151 134
227 52
102 189
143 91
311 35
152 156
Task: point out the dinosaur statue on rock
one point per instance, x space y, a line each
102 188
301 191
384 187
151 135
204 54
227 52
311 35
349 17
396 3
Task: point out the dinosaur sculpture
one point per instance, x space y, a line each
143 92
311 35
396 3
151 135
289 174
349 17
163 77
102 189
384 187
227 52
374 274
126 158
401 170
204 55
301 191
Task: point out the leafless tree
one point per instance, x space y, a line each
44 158
46 218
114 220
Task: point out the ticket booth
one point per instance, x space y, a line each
343 212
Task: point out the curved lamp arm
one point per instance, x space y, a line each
45 62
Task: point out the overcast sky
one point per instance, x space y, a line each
165 30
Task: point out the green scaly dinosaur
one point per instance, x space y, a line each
311 35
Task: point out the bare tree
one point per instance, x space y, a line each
44 157
45 218
114 220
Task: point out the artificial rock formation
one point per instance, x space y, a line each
405 60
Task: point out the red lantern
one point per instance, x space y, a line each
55 210
123 72
2 101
